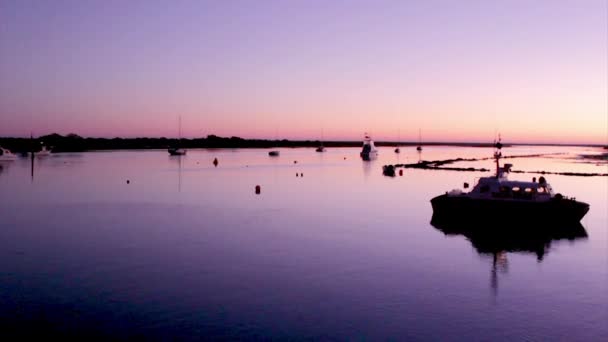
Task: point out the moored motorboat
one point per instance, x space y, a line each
274 153
6 155
497 199
369 150
43 152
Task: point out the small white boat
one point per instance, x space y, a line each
6 155
43 152
274 153
369 150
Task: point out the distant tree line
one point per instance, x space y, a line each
75 143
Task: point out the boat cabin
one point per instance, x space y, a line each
500 187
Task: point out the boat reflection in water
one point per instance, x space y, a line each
497 239
494 237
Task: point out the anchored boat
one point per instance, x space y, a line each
6 155
496 200
369 150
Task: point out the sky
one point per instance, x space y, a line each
535 71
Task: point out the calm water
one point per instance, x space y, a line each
189 250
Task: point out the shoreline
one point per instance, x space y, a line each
75 143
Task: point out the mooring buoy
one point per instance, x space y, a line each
258 189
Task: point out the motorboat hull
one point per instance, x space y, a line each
176 152
463 208
369 155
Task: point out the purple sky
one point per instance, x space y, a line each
459 70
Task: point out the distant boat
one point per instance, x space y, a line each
369 150
321 148
419 147
6 155
275 153
43 152
397 149
176 150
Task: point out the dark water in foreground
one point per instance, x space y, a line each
187 250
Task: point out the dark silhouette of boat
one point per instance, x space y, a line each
498 199
177 150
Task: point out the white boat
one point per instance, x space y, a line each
6 155
369 150
496 200
43 152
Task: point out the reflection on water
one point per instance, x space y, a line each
188 249
493 237
499 240
177 159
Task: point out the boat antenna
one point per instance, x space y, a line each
497 153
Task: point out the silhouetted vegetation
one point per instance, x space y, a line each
76 143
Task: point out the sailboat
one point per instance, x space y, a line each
419 148
397 149
321 148
177 151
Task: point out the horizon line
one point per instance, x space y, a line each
326 140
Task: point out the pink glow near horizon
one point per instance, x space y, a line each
536 72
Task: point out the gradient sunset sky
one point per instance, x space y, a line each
536 71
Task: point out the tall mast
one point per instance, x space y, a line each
497 154
180 128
